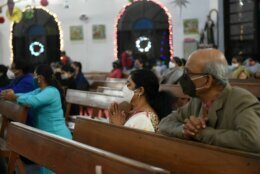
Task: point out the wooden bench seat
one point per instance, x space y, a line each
178 156
65 156
10 111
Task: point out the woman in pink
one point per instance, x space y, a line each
116 72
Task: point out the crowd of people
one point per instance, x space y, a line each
217 113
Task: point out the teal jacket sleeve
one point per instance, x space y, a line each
37 98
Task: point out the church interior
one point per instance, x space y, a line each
129 86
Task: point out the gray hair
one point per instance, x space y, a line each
219 71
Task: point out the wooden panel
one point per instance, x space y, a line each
178 156
66 156
13 111
252 85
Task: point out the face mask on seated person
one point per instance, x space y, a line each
172 65
64 76
128 94
188 86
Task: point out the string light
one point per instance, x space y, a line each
55 19
122 11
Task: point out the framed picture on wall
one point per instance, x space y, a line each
98 32
191 26
76 33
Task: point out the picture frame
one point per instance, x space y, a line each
76 33
99 32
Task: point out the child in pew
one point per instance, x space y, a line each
46 103
144 105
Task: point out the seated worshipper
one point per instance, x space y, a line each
64 59
127 60
46 103
116 72
68 82
253 66
67 77
238 71
218 114
23 81
4 80
81 82
147 104
174 72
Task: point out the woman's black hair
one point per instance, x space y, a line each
79 65
160 101
116 64
178 61
67 68
3 69
46 71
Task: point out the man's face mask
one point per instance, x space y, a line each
187 85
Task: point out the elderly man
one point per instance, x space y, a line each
218 114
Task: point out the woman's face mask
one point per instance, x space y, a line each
10 74
171 64
235 65
128 94
64 76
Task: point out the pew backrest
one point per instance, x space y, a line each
11 111
90 99
178 156
251 85
66 156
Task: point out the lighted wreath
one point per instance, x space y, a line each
36 48
143 44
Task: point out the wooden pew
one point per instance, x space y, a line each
95 100
65 156
96 75
252 85
178 156
10 111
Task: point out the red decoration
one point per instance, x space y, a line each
2 19
44 3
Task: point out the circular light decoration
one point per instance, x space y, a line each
143 44
36 48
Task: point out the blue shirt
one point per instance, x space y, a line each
21 84
82 82
47 110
